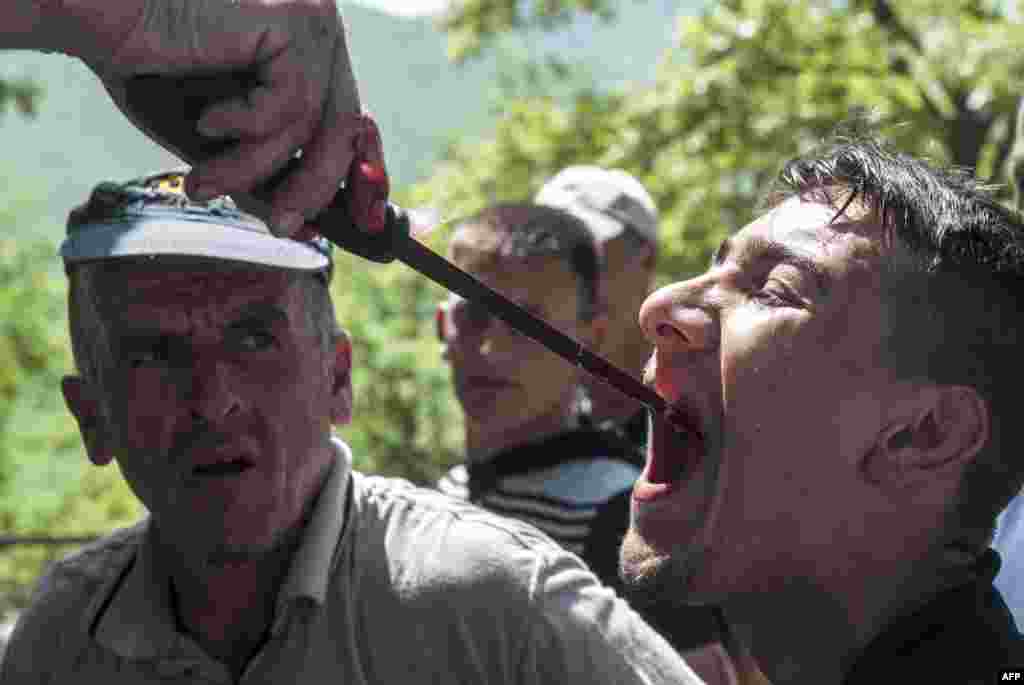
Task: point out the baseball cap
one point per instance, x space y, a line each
607 200
152 216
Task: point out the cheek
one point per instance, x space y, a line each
760 359
771 385
545 374
147 406
290 395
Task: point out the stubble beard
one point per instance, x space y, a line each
654 576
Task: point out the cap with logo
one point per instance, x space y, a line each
152 216
608 200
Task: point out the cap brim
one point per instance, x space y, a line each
144 237
602 226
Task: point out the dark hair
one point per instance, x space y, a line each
954 287
531 230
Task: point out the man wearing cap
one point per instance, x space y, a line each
624 221
211 369
532 450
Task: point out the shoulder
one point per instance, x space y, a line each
65 598
79 577
436 533
455 483
496 586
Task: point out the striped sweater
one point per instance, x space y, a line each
575 487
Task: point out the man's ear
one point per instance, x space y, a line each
82 399
341 381
947 429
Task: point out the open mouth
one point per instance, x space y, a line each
229 467
676 452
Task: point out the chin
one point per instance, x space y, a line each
638 559
655 575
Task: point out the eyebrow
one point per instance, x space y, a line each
254 314
259 313
759 249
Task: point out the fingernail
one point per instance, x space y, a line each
287 224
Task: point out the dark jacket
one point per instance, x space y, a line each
962 636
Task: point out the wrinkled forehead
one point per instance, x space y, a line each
824 221
187 282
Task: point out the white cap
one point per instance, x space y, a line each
607 200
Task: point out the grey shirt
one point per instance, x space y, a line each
390 584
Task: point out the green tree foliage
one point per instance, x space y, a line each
46 487
475 24
749 84
23 94
406 422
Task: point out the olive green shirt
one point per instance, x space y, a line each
390 584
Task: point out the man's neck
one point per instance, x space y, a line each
815 645
228 607
828 628
483 444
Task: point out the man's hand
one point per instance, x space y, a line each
306 97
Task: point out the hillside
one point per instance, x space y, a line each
418 97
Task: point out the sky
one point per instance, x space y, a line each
406 8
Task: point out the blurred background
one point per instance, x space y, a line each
480 101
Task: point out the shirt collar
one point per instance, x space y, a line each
311 567
133 616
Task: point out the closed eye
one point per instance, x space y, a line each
774 293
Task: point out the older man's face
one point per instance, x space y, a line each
774 357
218 399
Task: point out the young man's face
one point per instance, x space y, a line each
217 402
775 358
504 380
